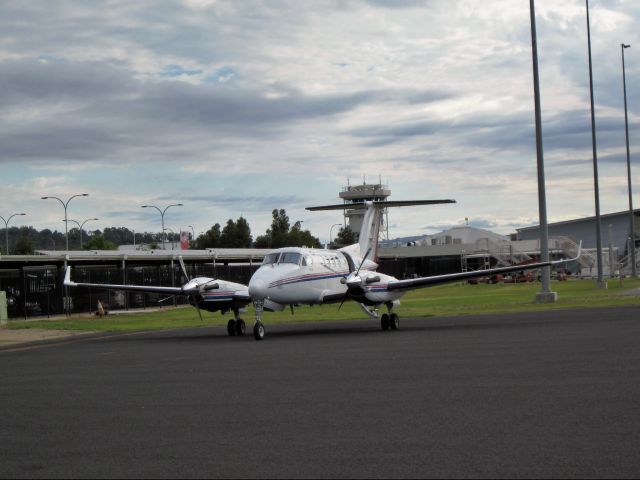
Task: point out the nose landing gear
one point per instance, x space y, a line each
258 327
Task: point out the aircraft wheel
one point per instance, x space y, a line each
258 331
231 327
384 321
394 321
240 327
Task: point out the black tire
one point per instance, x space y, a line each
394 321
231 327
258 331
384 322
241 327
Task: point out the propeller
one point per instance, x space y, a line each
193 300
350 281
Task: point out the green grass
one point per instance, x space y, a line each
447 300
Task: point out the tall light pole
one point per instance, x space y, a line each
80 225
162 212
331 232
634 272
596 187
65 205
546 295
6 231
193 232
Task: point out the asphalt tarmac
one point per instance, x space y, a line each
553 394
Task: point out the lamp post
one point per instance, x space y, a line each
331 232
601 283
634 272
65 205
546 295
162 212
6 230
80 225
193 232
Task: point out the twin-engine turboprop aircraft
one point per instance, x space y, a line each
295 276
204 293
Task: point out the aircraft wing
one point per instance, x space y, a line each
413 283
132 288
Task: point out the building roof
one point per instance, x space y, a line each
580 220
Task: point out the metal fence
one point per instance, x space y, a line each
39 291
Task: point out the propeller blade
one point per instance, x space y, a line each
184 269
342 302
362 262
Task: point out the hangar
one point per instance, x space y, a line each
616 230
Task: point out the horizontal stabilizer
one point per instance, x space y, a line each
380 204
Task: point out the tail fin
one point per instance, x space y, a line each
372 219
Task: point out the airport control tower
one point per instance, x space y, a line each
360 193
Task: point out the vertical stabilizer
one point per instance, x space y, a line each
370 230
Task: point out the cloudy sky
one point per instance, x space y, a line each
239 107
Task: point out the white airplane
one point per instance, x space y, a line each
204 293
296 276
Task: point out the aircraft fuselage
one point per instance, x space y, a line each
315 276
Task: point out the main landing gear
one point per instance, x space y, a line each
236 325
388 321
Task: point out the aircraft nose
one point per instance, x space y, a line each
257 289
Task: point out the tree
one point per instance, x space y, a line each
243 233
209 239
23 246
98 242
281 235
345 237
236 234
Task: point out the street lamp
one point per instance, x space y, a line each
162 212
193 232
80 225
6 231
596 187
65 205
546 295
330 232
634 272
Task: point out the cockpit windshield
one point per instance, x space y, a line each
271 258
290 257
